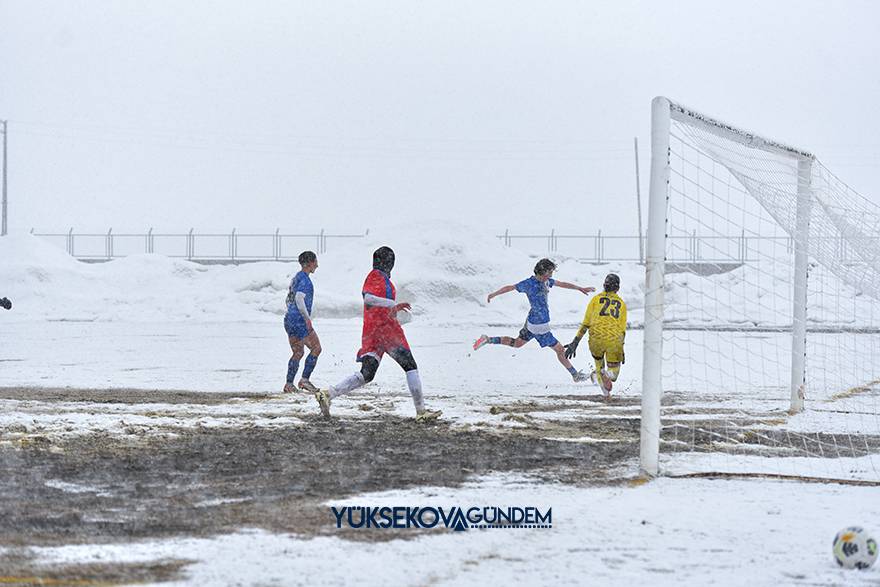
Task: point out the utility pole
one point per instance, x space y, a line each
639 202
3 226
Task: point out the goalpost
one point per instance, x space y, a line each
761 293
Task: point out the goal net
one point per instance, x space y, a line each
762 309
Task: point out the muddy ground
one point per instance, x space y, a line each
200 481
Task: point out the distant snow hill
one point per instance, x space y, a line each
444 270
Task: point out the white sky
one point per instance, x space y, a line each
351 115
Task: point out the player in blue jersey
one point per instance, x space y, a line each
537 324
298 324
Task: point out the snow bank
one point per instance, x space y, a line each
444 270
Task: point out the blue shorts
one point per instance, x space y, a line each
295 327
546 339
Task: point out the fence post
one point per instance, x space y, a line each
232 245
600 244
108 244
190 245
277 243
70 242
506 237
321 242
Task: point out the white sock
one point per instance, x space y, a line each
350 383
415 388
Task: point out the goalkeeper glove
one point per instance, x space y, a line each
5 303
571 348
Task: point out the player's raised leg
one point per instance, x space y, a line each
547 340
369 366
611 349
613 371
503 340
599 366
576 375
600 376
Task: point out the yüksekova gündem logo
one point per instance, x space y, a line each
453 518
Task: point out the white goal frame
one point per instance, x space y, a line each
662 113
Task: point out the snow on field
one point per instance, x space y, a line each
667 532
251 357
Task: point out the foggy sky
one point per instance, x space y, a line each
351 115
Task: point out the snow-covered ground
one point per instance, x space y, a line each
147 322
666 532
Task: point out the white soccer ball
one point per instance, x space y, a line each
404 316
854 548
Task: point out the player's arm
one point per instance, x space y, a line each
571 348
498 292
588 317
299 298
622 322
291 292
376 301
374 292
566 285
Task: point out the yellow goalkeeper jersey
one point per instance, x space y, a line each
605 317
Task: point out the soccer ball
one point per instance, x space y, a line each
854 548
404 316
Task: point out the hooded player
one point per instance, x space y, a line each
605 318
381 334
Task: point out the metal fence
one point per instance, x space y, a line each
231 247
601 248
693 248
235 247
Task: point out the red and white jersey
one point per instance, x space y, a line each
378 284
382 332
